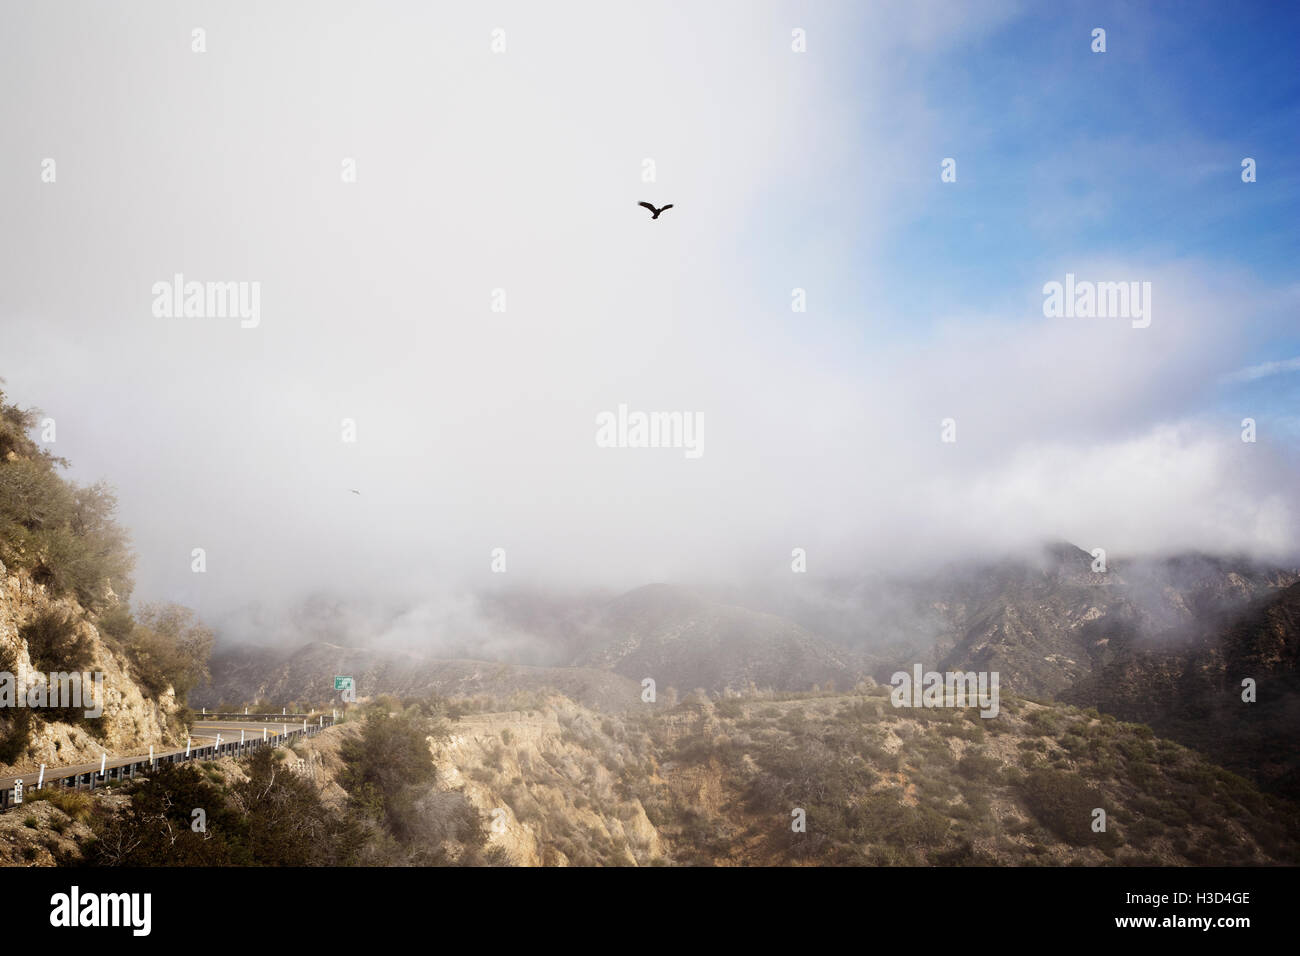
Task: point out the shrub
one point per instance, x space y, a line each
1144 831
1074 743
1142 774
1064 805
16 727
271 819
386 768
169 647
74 803
16 735
730 707
55 643
117 623
978 766
64 534
881 818
1044 723
282 821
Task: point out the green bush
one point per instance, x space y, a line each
271 819
54 642
1064 805
978 766
117 623
169 647
385 770
15 735
63 534
729 707
74 803
1044 723
881 818
16 724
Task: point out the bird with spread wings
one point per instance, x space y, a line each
654 210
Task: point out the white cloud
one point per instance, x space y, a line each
1252 373
476 429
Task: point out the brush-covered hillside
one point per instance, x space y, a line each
544 781
65 581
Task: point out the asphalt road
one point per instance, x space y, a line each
203 733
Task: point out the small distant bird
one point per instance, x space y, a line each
354 491
654 210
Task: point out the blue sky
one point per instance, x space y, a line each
1147 137
1065 158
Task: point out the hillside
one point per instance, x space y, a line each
306 674
1046 626
685 641
718 783
134 716
679 639
715 783
1164 642
65 580
1191 689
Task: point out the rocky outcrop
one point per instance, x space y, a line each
132 719
548 783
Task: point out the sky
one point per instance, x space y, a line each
520 168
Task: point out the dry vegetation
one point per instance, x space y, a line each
540 780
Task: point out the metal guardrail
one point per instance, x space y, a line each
120 768
260 718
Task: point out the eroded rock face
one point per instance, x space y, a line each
132 718
545 784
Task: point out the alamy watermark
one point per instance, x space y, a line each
179 299
75 908
55 690
630 429
953 689
1098 300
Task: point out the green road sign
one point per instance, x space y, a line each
342 682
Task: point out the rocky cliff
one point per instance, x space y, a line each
132 719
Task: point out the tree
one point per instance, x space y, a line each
64 534
287 824
157 828
387 769
170 646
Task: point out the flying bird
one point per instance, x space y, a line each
354 491
654 210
